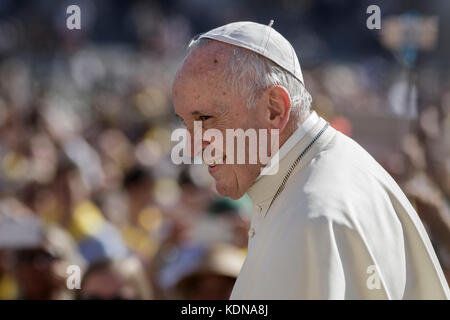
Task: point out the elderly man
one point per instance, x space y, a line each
330 223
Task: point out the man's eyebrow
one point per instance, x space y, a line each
199 113
193 113
216 109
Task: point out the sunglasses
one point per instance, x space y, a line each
31 256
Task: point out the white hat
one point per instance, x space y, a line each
19 228
262 39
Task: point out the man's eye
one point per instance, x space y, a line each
179 120
204 118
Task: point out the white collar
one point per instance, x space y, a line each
298 134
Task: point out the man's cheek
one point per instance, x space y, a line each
228 174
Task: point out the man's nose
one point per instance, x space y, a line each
196 144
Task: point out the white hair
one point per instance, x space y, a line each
249 74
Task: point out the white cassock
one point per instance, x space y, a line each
341 228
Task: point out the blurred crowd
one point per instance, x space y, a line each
86 177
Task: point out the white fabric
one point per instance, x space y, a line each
262 39
307 125
341 229
298 134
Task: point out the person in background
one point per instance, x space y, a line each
41 270
214 275
35 274
38 254
114 280
8 285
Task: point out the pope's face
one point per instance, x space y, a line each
200 93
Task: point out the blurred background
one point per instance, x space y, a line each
86 117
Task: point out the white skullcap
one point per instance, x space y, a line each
262 39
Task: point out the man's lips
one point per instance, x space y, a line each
212 169
214 164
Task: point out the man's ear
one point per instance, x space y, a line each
278 107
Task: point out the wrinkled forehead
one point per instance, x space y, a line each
201 77
210 57
204 65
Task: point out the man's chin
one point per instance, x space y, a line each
226 191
